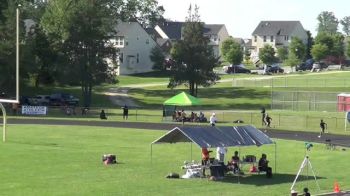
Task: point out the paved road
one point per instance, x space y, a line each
338 140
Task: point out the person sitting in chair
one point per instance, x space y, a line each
263 166
103 115
234 164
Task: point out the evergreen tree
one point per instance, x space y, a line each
193 56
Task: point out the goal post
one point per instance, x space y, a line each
16 100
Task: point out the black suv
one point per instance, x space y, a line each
59 99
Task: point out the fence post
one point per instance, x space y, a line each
336 122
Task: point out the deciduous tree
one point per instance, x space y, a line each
319 51
267 55
327 23
297 47
346 25
232 51
282 53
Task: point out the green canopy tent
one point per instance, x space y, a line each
181 99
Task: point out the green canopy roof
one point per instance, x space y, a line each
182 99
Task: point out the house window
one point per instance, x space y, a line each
137 58
264 38
119 41
147 41
286 38
271 38
255 38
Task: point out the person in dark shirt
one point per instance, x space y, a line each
263 116
103 115
264 166
235 162
323 126
306 192
125 112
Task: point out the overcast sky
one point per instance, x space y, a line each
242 16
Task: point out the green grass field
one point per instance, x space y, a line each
66 160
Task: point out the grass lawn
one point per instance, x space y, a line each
66 160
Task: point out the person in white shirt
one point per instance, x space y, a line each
220 153
213 119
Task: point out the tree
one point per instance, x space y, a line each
8 46
282 53
348 48
193 56
335 46
292 60
146 12
267 55
310 43
232 51
346 25
327 23
319 51
158 58
82 31
297 47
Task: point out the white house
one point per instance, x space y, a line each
277 34
135 46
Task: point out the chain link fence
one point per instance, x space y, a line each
225 118
304 101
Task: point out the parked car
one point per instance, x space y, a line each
59 99
274 68
237 69
40 100
307 65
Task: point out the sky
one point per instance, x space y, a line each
242 16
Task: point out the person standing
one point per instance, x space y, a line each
205 158
220 153
268 120
213 120
323 126
125 112
263 116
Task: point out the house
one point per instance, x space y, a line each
135 45
277 34
172 31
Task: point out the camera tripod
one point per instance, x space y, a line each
306 163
